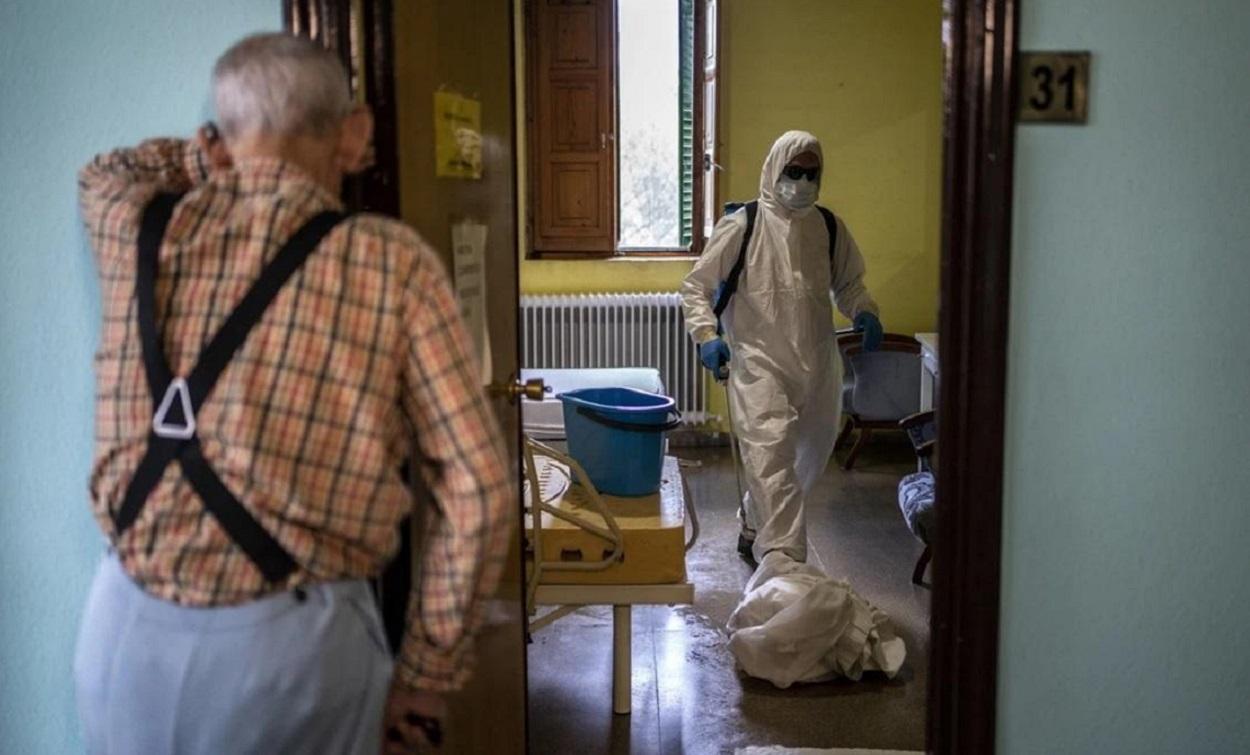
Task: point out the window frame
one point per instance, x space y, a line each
702 176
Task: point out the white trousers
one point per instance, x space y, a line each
785 434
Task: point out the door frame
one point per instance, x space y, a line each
368 53
978 156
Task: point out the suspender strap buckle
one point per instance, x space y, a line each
162 426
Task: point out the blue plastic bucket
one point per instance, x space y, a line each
617 435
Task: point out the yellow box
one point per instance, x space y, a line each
653 529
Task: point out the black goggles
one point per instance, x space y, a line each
795 173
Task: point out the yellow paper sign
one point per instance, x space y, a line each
457 136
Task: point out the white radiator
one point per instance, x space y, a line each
616 330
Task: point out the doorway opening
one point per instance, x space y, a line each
723 81
403 56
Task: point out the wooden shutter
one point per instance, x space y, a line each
687 109
572 126
709 36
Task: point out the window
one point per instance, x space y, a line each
620 126
650 125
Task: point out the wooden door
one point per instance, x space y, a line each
572 126
400 55
463 48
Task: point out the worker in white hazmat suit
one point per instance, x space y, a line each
778 341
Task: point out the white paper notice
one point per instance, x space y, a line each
468 243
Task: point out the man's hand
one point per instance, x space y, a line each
868 324
413 719
715 355
209 140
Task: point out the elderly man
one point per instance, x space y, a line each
267 365
769 270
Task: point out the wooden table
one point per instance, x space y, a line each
651 571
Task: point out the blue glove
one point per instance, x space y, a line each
870 326
714 354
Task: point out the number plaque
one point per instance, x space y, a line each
1054 87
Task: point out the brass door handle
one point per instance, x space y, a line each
534 390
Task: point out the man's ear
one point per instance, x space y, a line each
355 148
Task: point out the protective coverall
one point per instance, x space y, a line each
785 377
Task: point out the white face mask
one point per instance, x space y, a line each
797 195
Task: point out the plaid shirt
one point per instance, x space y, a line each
361 363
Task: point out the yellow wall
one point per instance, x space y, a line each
865 77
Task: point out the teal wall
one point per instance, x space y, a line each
1126 586
76 77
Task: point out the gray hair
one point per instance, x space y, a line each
281 85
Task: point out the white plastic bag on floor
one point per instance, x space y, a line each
795 624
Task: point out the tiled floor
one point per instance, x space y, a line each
687 694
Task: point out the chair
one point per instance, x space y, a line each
879 388
921 429
916 492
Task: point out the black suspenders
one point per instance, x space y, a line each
178 399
